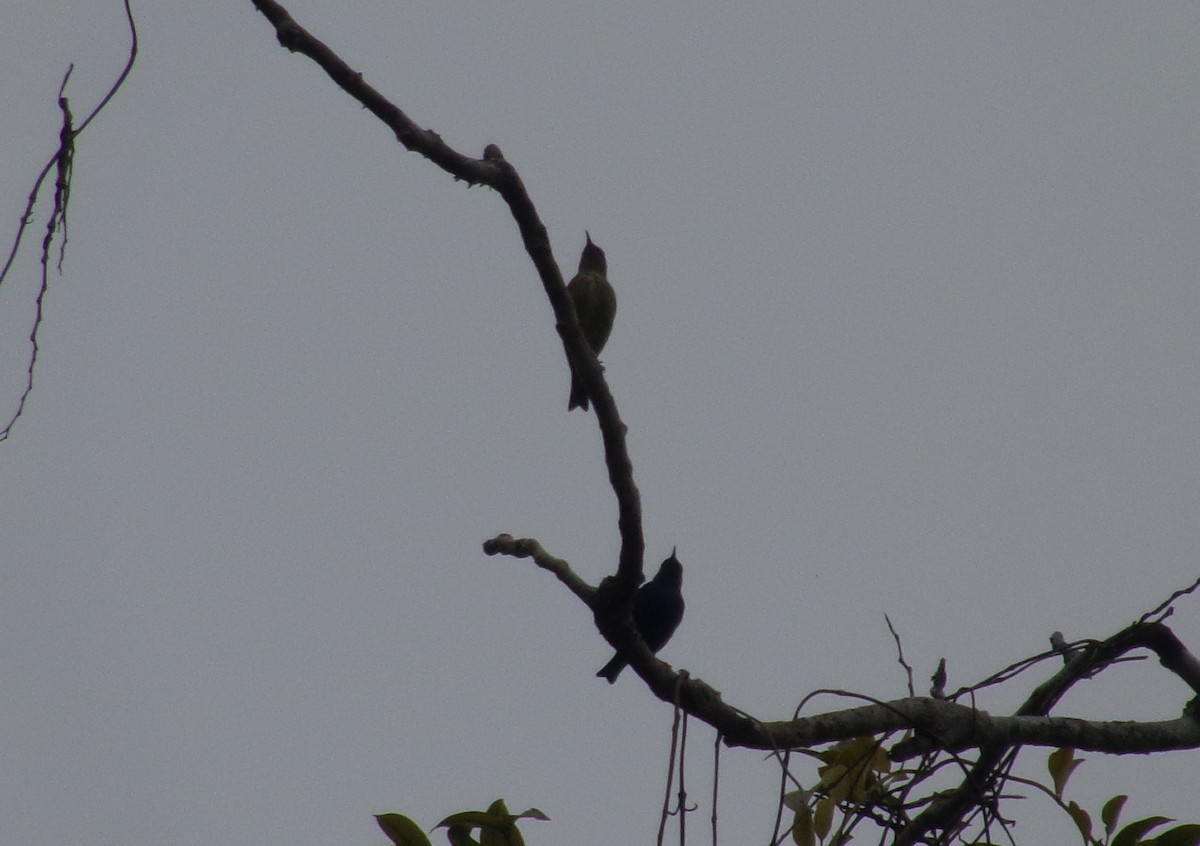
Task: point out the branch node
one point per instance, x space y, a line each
506 544
289 34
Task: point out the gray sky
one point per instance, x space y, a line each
907 325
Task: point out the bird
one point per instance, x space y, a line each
595 305
657 610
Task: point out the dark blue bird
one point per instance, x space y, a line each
657 610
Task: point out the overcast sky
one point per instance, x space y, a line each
907 324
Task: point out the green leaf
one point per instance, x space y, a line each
494 835
513 837
796 800
823 817
473 819
460 835
1187 834
1061 763
533 814
1111 812
880 762
835 778
401 830
1083 820
1133 832
802 829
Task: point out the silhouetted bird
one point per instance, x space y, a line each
595 306
657 610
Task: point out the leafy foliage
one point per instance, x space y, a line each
1062 763
497 827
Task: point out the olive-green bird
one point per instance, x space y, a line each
595 306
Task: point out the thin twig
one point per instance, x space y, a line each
666 805
908 670
716 784
62 162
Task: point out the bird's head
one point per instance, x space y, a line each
670 571
592 259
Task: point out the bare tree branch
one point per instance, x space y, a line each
62 162
1111 737
613 606
938 725
952 725
529 548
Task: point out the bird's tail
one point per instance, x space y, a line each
579 397
612 669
